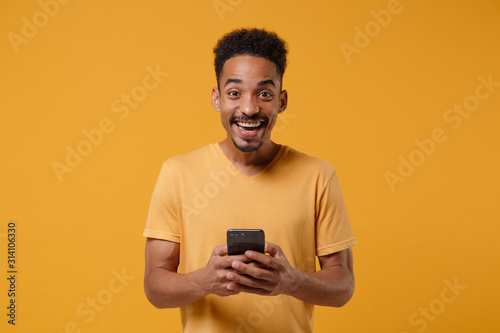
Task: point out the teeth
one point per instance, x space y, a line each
243 124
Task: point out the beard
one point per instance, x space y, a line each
248 148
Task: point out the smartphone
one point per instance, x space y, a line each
240 240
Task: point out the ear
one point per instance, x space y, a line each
283 101
216 99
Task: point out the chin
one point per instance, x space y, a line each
247 148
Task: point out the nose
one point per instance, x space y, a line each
249 106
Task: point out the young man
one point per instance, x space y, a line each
248 181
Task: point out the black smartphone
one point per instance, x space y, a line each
240 240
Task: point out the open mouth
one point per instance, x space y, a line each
248 126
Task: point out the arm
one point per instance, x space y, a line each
333 285
165 288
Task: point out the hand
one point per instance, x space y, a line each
265 275
213 277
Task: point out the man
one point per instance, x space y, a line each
248 181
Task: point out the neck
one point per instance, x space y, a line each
253 162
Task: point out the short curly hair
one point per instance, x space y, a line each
254 42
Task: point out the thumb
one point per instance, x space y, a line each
220 250
274 250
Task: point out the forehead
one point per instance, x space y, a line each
249 68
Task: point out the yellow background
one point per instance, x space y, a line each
440 224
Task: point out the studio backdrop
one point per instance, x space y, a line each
402 97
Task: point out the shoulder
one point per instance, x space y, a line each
191 159
307 163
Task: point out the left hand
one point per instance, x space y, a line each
267 275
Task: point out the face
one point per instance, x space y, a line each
249 100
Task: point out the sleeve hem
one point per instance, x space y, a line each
322 251
161 235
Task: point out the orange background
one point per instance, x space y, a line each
362 111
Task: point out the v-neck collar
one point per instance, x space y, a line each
241 175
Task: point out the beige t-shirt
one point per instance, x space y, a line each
296 200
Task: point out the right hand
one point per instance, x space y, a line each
213 276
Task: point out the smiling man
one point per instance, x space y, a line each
248 181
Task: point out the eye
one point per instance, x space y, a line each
266 94
233 93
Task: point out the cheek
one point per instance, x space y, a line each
225 117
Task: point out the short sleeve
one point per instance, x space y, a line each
333 230
163 217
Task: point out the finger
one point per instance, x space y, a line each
230 290
226 261
240 258
256 264
273 250
220 250
265 260
242 279
240 287
253 271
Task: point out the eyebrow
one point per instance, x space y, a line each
263 83
233 81
260 83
